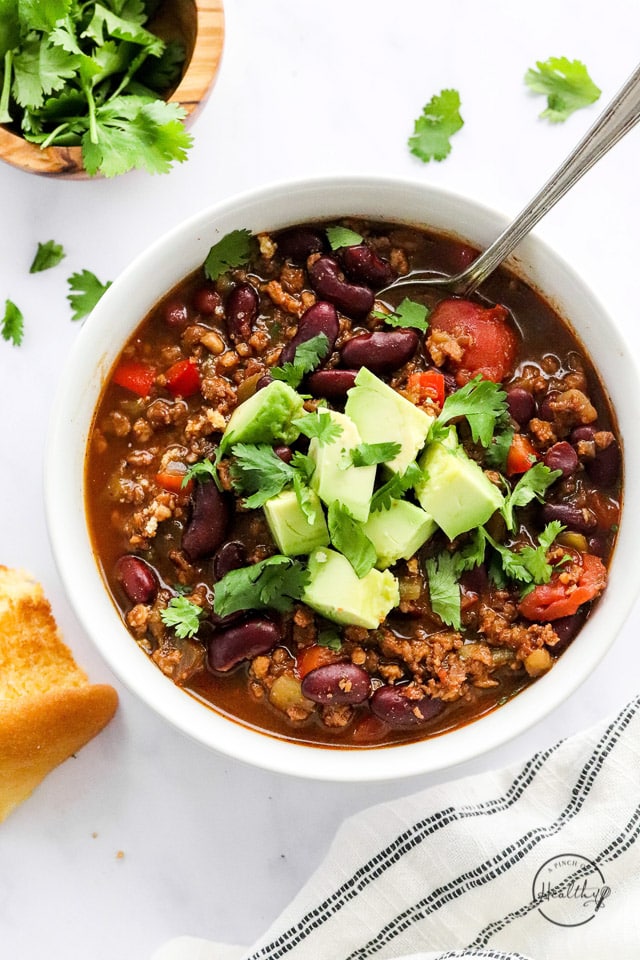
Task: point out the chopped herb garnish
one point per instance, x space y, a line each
233 250
257 470
407 314
498 450
201 471
12 324
482 402
566 85
444 589
366 454
329 638
183 616
319 425
439 120
532 484
349 538
48 255
343 237
86 290
395 487
272 583
308 356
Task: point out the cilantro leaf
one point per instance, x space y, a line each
307 357
535 558
183 616
201 471
444 589
439 120
48 255
39 69
135 132
498 450
86 290
12 324
256 469
233 250
319 425
366 454
407 314
532 484
482 402
349 538
395 487
271 583
566 84
329 638
343 237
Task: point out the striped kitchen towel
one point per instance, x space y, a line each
536 861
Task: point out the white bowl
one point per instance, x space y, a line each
128 301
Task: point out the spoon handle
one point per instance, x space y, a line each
622 113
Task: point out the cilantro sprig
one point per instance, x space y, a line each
394 488
273 583
92 75
482 403
183 616
12 323
367 454
233 250
439 120
47 255
343 237
408 313
257 470
319 425
349 539
533 484
85 291
566 85
308 356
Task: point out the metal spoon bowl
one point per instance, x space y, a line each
622 113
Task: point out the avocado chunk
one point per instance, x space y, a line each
292 531
398 532
381 414
265 417
335 592
455 491
334 477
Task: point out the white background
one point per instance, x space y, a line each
213 848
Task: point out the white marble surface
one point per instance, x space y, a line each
213 848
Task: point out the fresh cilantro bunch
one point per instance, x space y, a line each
92 75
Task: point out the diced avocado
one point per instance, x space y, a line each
289 526
398 532
334 478
381 414
336 593
455 491
266 416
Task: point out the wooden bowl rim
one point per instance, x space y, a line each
67 161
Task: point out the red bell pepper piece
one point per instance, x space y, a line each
183 379
135 376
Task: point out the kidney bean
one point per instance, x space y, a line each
566 628
176 315
546 413
285 453
207 525
264 381
137 579
605 466
522 405
571 516
242 641
476 580
331 383
241 310
381 351
229 556
391 705
561 456
329 283
582 433
206 300
337 683
320 318
363 265
300 242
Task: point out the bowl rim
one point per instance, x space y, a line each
79 570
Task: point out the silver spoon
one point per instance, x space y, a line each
622 113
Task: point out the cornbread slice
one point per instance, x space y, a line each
48 708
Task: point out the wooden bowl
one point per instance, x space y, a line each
199 24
